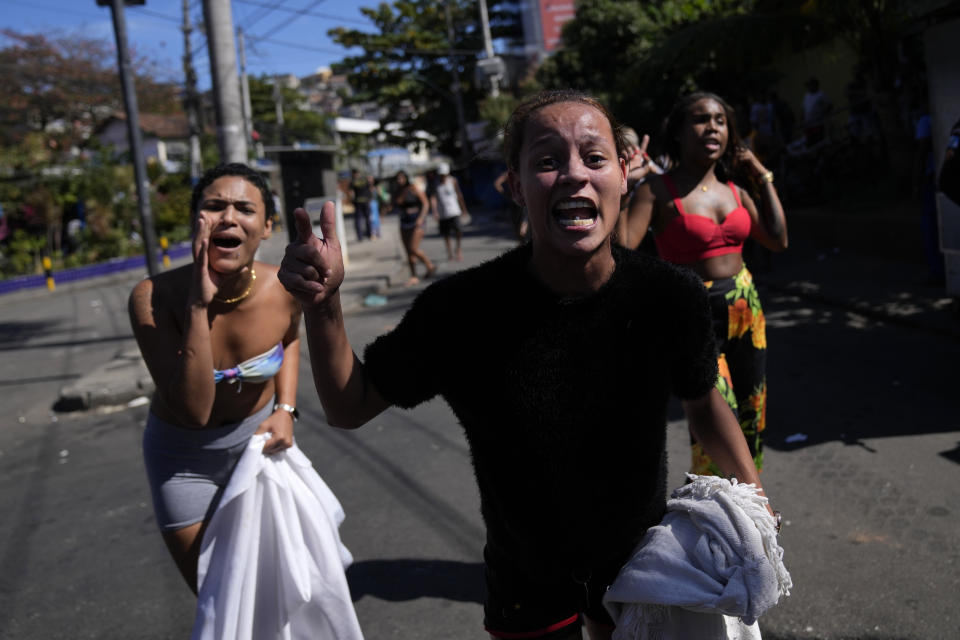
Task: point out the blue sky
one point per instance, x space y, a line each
294 32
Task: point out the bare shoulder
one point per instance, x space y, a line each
745 197
277 294
159 291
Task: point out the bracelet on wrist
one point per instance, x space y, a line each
292 410
767 176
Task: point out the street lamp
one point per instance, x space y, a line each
133 128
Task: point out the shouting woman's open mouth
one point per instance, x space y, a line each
575 213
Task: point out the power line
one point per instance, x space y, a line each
422 52
155 14
315 14
287 21
88 16
264 11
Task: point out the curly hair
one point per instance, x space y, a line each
239 170
726 166
516 125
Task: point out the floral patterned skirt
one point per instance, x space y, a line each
740 330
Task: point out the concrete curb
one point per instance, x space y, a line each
117 382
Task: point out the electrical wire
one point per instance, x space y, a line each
286 22
315 14
440 53
270 8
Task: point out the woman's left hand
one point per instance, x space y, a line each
280 426
746 157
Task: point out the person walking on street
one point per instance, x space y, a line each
412 206
700 219
448 204
816 107
360 194
193 325
564 406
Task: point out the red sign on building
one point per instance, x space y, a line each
553 15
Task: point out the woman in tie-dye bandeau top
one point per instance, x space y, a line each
219 337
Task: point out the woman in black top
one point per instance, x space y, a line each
411 205
563 387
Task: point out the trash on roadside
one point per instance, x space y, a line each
374 300
796 437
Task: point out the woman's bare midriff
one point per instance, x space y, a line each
229 407
717 267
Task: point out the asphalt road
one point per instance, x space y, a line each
868 486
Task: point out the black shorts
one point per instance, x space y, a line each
448 225
522 605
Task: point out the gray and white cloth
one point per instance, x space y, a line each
708 570
271 561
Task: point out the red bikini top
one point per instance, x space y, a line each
690 238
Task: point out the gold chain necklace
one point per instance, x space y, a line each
253 278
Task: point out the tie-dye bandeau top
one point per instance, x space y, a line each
257 369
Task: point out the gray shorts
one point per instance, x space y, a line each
188 468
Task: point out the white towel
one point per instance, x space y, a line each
707 571
271 561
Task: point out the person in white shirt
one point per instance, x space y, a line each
816 106
448 205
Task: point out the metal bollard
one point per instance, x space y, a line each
166 257
48 272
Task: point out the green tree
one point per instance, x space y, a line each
63 86
410 65
654 51
299 123
59 89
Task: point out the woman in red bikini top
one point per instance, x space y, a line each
701 219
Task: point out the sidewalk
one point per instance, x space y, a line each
869 264
823 267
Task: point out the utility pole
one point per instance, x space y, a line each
245 89
218 19
133 130
457 97
488 47
278 105
191 100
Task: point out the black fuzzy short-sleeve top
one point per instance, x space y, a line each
563 400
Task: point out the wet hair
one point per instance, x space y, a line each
516 126
233 169
678 117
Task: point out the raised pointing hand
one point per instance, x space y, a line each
312 267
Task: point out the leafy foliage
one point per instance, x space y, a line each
654 51
59 88
299 125
64 85
410 65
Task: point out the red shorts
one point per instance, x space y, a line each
520 605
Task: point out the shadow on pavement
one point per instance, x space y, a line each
409 579
836 374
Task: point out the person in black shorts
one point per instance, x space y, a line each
576 347
411 206
448 206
